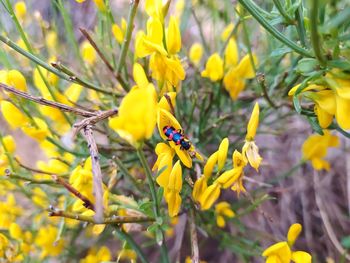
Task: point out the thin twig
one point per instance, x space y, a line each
206 48
32 169
194 239
325 218
42 101
104 59
93 120
96 171
127 39
108 220
260 77
86 202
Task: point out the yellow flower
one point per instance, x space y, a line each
165 119
96 256
137 116
72 93
9 211
222 210
39 131
119 31
210 195
9 143
227 31
16 80
13 116
51 41
39 198
4 243
331 99
20 10
154 8
46 241
281 252
164 163
214 68
231 53
315 149
173 189
199 188
219 157
173 36
196 53
88 53
250 150
234 80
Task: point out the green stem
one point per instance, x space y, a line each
127 39
283 12
300 24
250 6
315 37
156 209
125 236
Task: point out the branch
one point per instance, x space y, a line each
42 101
104 59
108 220
96 171
87 203
194 239
126 43
93 120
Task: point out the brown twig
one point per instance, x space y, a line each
93 120
32 169
87 132
194 238
108 220
87 203
170 103
103 57
42 101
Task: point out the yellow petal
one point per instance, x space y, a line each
220 221
245 68
214 68
342 112
73 92
293 233
280 250
165 118
175 178
9 143
140 76
222 153
13 116
88 53
16 80
227 31
229 177
301 257
118 33
253 123
164 104
251 151
324 118
196 53
163 177
174 203
183 155
209 166
231 53
210 195
199 187
137 115
173 40
15 231
20 9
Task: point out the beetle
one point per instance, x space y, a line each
177 136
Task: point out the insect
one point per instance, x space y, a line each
177 137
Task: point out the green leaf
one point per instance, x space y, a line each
315 125
160 194
307 66
280 51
